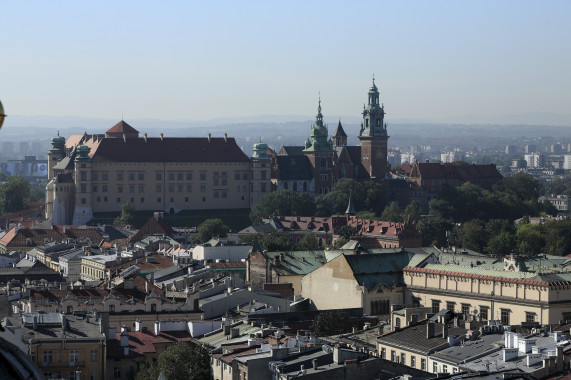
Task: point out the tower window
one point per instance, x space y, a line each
323 163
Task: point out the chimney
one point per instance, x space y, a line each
445 331
209 138
226 137
124 138
157 327
427 160
429 330
145 137
162 137
314 361
509 354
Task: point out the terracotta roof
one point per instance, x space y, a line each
17 237
153 226
141 343
121 127
191 149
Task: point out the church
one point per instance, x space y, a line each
95 173
316 166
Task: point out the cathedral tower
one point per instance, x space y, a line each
373 136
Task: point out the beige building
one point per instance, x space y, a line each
513 291
368 281
99 173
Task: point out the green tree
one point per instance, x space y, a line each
501 244
433 231
13 194
127 215
376 197
346 232
210 228
529 239
412 212
340 242
471 235
274 241
391 213
521 184
283 202
308 242
180 361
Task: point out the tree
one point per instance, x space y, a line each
391 213
275 241
127 215
346 232
412 212
471 235
433 231
210 228
502 244
180 361
283 202
308 242
13 194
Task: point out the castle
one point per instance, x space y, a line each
98 173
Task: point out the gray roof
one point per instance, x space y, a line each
295 167
470 350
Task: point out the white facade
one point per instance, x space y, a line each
535 160
567 162
232 253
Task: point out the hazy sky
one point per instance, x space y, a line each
209 59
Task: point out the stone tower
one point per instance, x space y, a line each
373 136
319 150
260 173
82 178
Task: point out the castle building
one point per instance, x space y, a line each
315 167
99 173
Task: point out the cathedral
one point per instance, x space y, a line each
316 166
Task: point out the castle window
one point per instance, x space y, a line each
189 176
104 199
95 176
505 317
104 176
203 175
529 317
141 188
180 176
133 201
83 175
131 176
158 176
237 176
119 188
119 176
435 306
171 176
83 188
141 176
323 163
94 188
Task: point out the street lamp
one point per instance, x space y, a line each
2 115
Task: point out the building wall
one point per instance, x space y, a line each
517 300
60 355
332 286
225 252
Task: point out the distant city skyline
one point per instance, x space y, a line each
204 61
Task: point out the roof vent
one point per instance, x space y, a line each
209 138
162 137
145 137
226 137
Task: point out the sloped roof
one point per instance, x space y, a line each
291 150
372 270
296 262
180 149
339 132
153 226
121 127
295 167
453 171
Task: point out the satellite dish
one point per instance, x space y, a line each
475 311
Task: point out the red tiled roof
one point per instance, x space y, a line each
189 149
141 343
121 127
153 226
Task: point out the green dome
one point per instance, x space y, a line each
82 153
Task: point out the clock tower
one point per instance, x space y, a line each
373 136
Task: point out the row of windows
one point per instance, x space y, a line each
171 175
73 356
483 311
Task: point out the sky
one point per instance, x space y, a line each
201 60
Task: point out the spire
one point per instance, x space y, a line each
350 207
